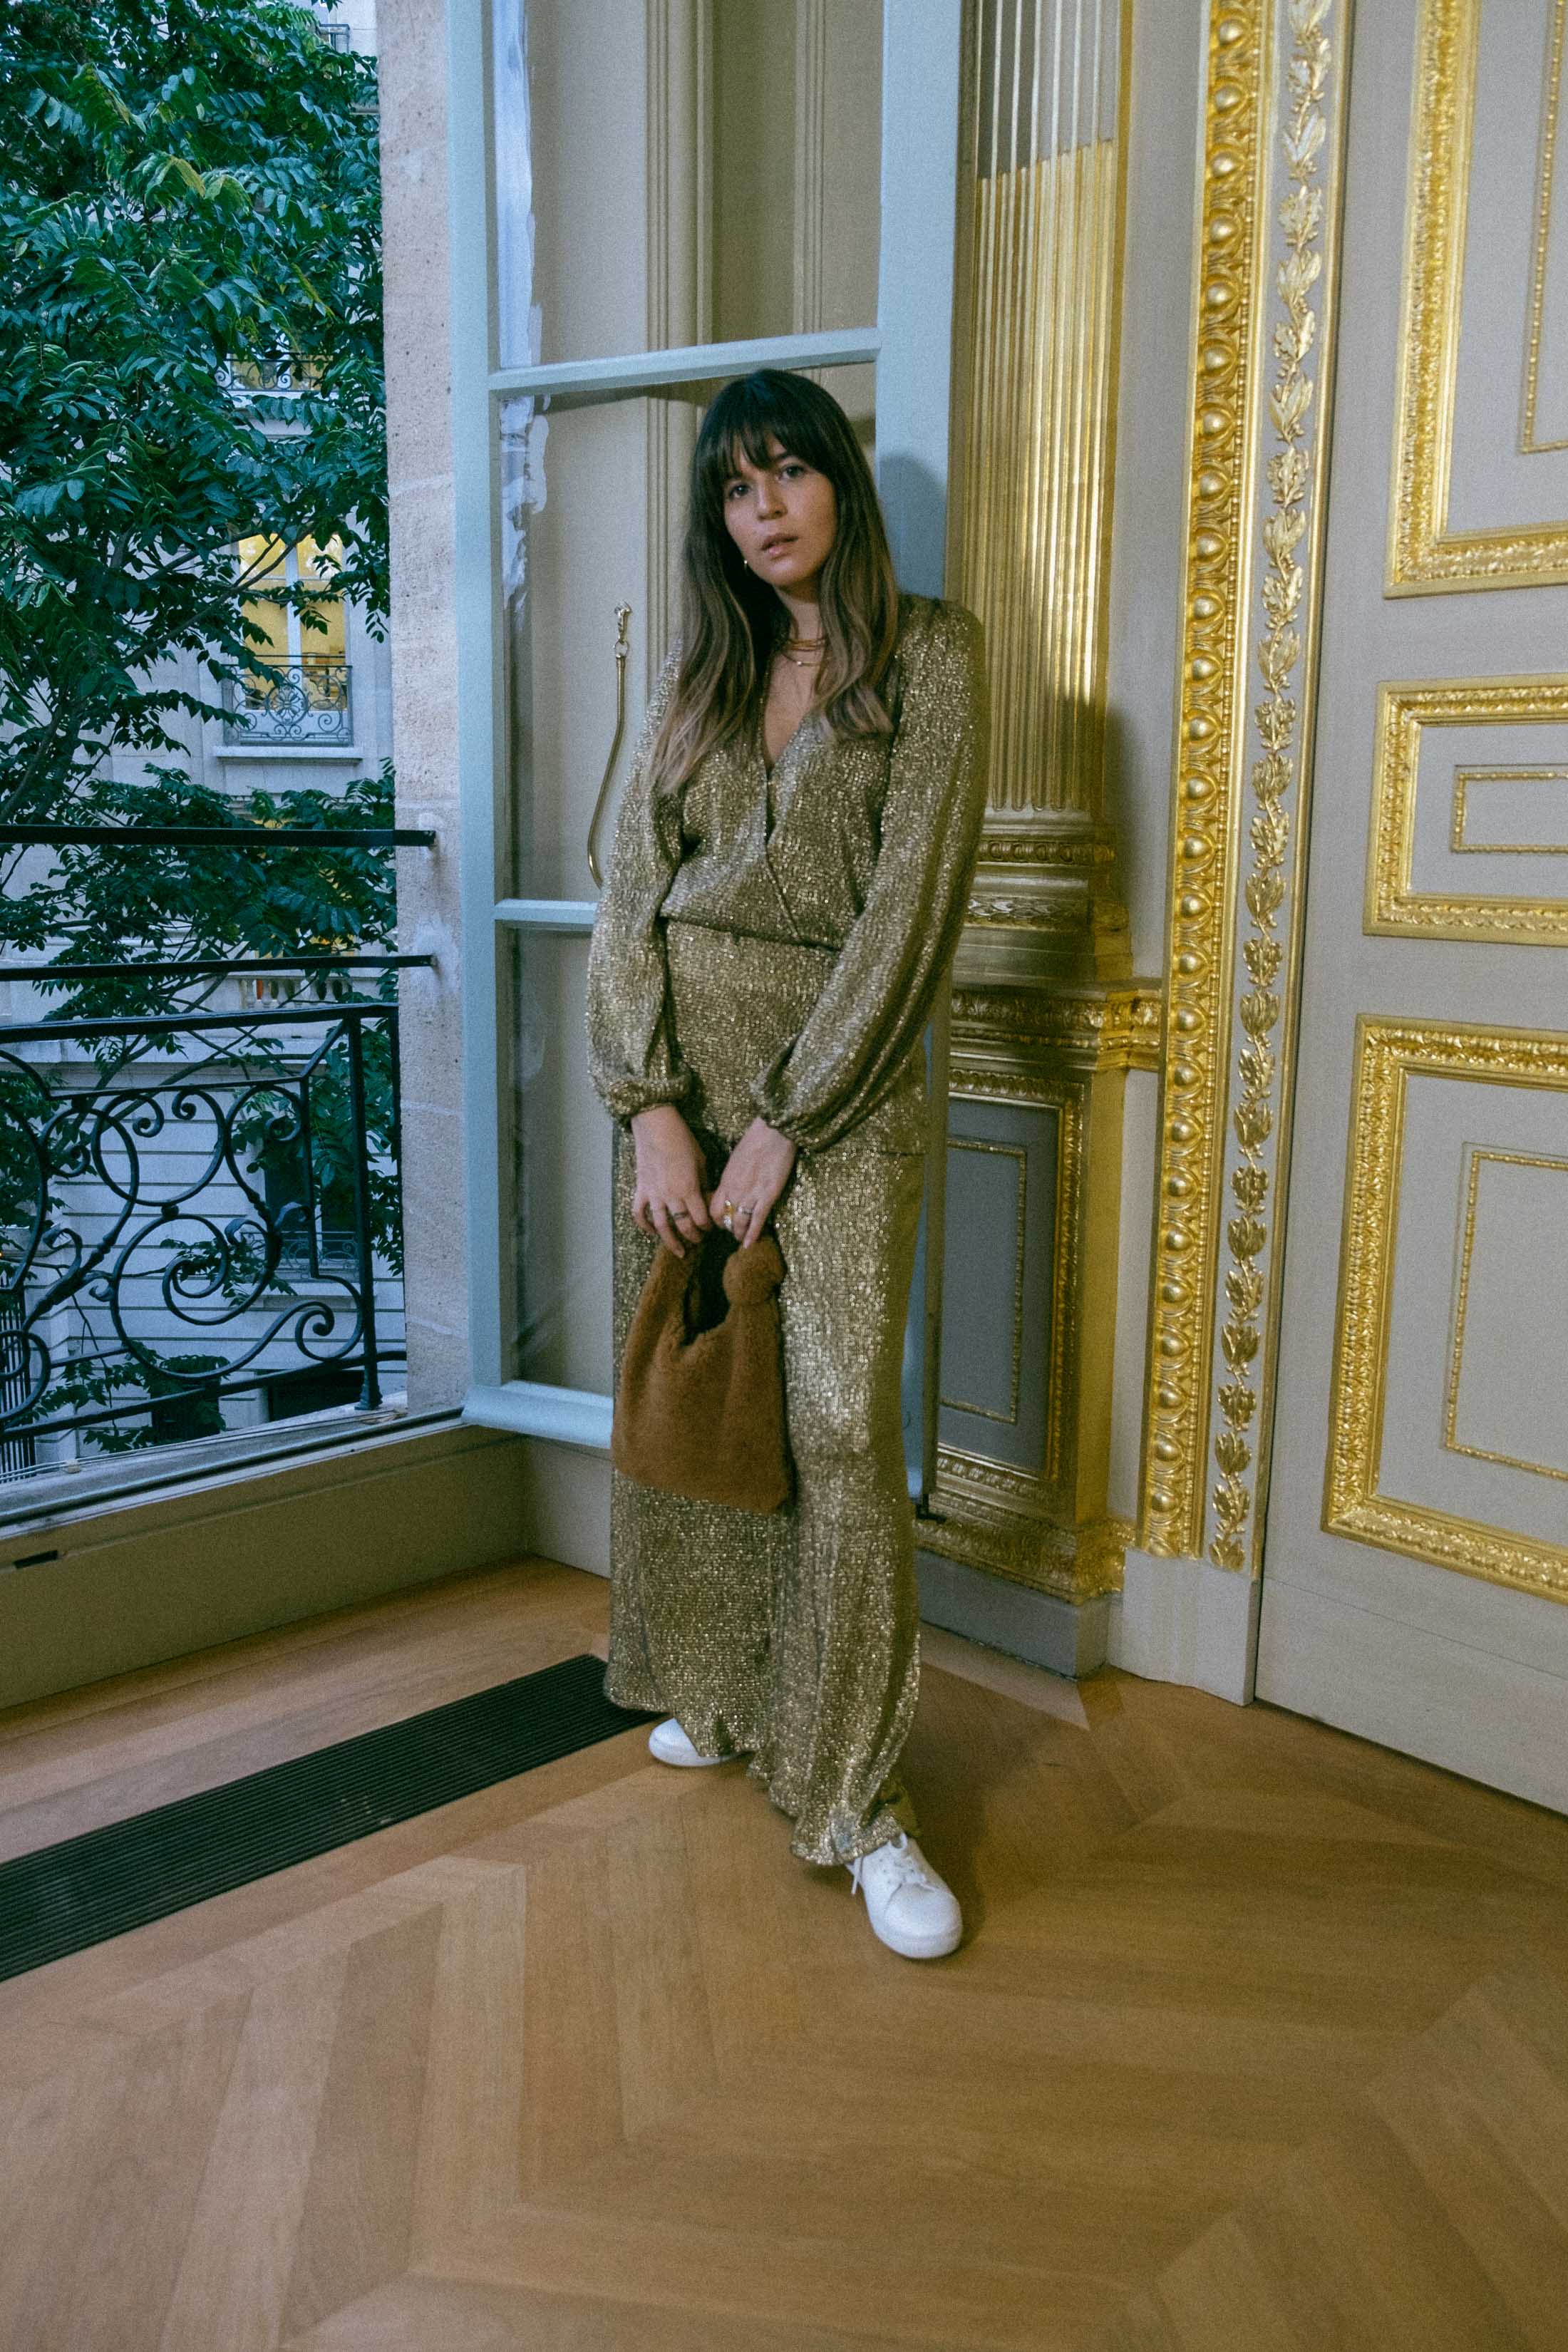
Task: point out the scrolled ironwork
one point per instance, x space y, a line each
225 1202
308 702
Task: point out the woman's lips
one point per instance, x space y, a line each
776 546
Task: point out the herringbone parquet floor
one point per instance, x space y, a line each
1258 2040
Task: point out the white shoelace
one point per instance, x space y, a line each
912 1869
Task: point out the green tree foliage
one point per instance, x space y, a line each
189 201
190 358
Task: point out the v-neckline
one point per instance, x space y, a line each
770 772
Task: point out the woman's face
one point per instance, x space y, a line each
783 517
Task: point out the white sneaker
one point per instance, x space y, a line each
670 1744
913 1911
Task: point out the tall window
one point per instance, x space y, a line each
750 186
298 687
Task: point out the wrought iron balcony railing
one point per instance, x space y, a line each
209 1225
299 702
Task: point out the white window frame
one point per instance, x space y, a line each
911 345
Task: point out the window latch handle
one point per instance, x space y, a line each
623 647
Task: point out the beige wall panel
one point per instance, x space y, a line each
1481 473
132 1585
1376 1672
1412 1589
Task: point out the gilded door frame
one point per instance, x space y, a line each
1263 311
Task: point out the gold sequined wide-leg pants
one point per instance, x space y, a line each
792 1638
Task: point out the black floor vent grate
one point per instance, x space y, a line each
66 1896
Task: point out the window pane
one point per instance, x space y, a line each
594 498
589 492
659 183
563 1174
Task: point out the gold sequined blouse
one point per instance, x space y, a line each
861 849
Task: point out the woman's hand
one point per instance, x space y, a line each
754 1175
671 1203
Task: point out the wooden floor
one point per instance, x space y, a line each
1258 2039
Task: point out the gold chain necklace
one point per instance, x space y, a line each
790 646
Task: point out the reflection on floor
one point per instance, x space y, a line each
1258 2040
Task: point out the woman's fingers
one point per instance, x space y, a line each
666 1231
756 1220
669 1203
695 1205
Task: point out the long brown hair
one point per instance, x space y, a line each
731 622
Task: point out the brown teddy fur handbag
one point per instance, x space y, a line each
700 1408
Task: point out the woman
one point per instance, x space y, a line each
790 872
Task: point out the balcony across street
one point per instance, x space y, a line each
298 702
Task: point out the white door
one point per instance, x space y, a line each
648 199
1416 1558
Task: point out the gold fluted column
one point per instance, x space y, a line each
1046 1017
1033 525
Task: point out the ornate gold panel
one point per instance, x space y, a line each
1451 1438
1003 1151
1528 440
1388 1052
1268 231
1463 829
1403 712
1424 554
1031 1524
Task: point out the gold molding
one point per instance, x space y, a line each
1394 908
1292 554
1389 1050
986 1525
1480 1157
1053 848
1003 1151
1465 777
1267 226
1219 500
1424 556
1106 1025
1545 165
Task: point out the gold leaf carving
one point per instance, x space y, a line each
1192 1140
1284 535
1388 1054
1405 712
1425 555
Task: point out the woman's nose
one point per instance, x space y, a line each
770 498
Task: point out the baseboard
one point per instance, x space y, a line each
1184 1621
111 1589
568 1507
1066 1636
